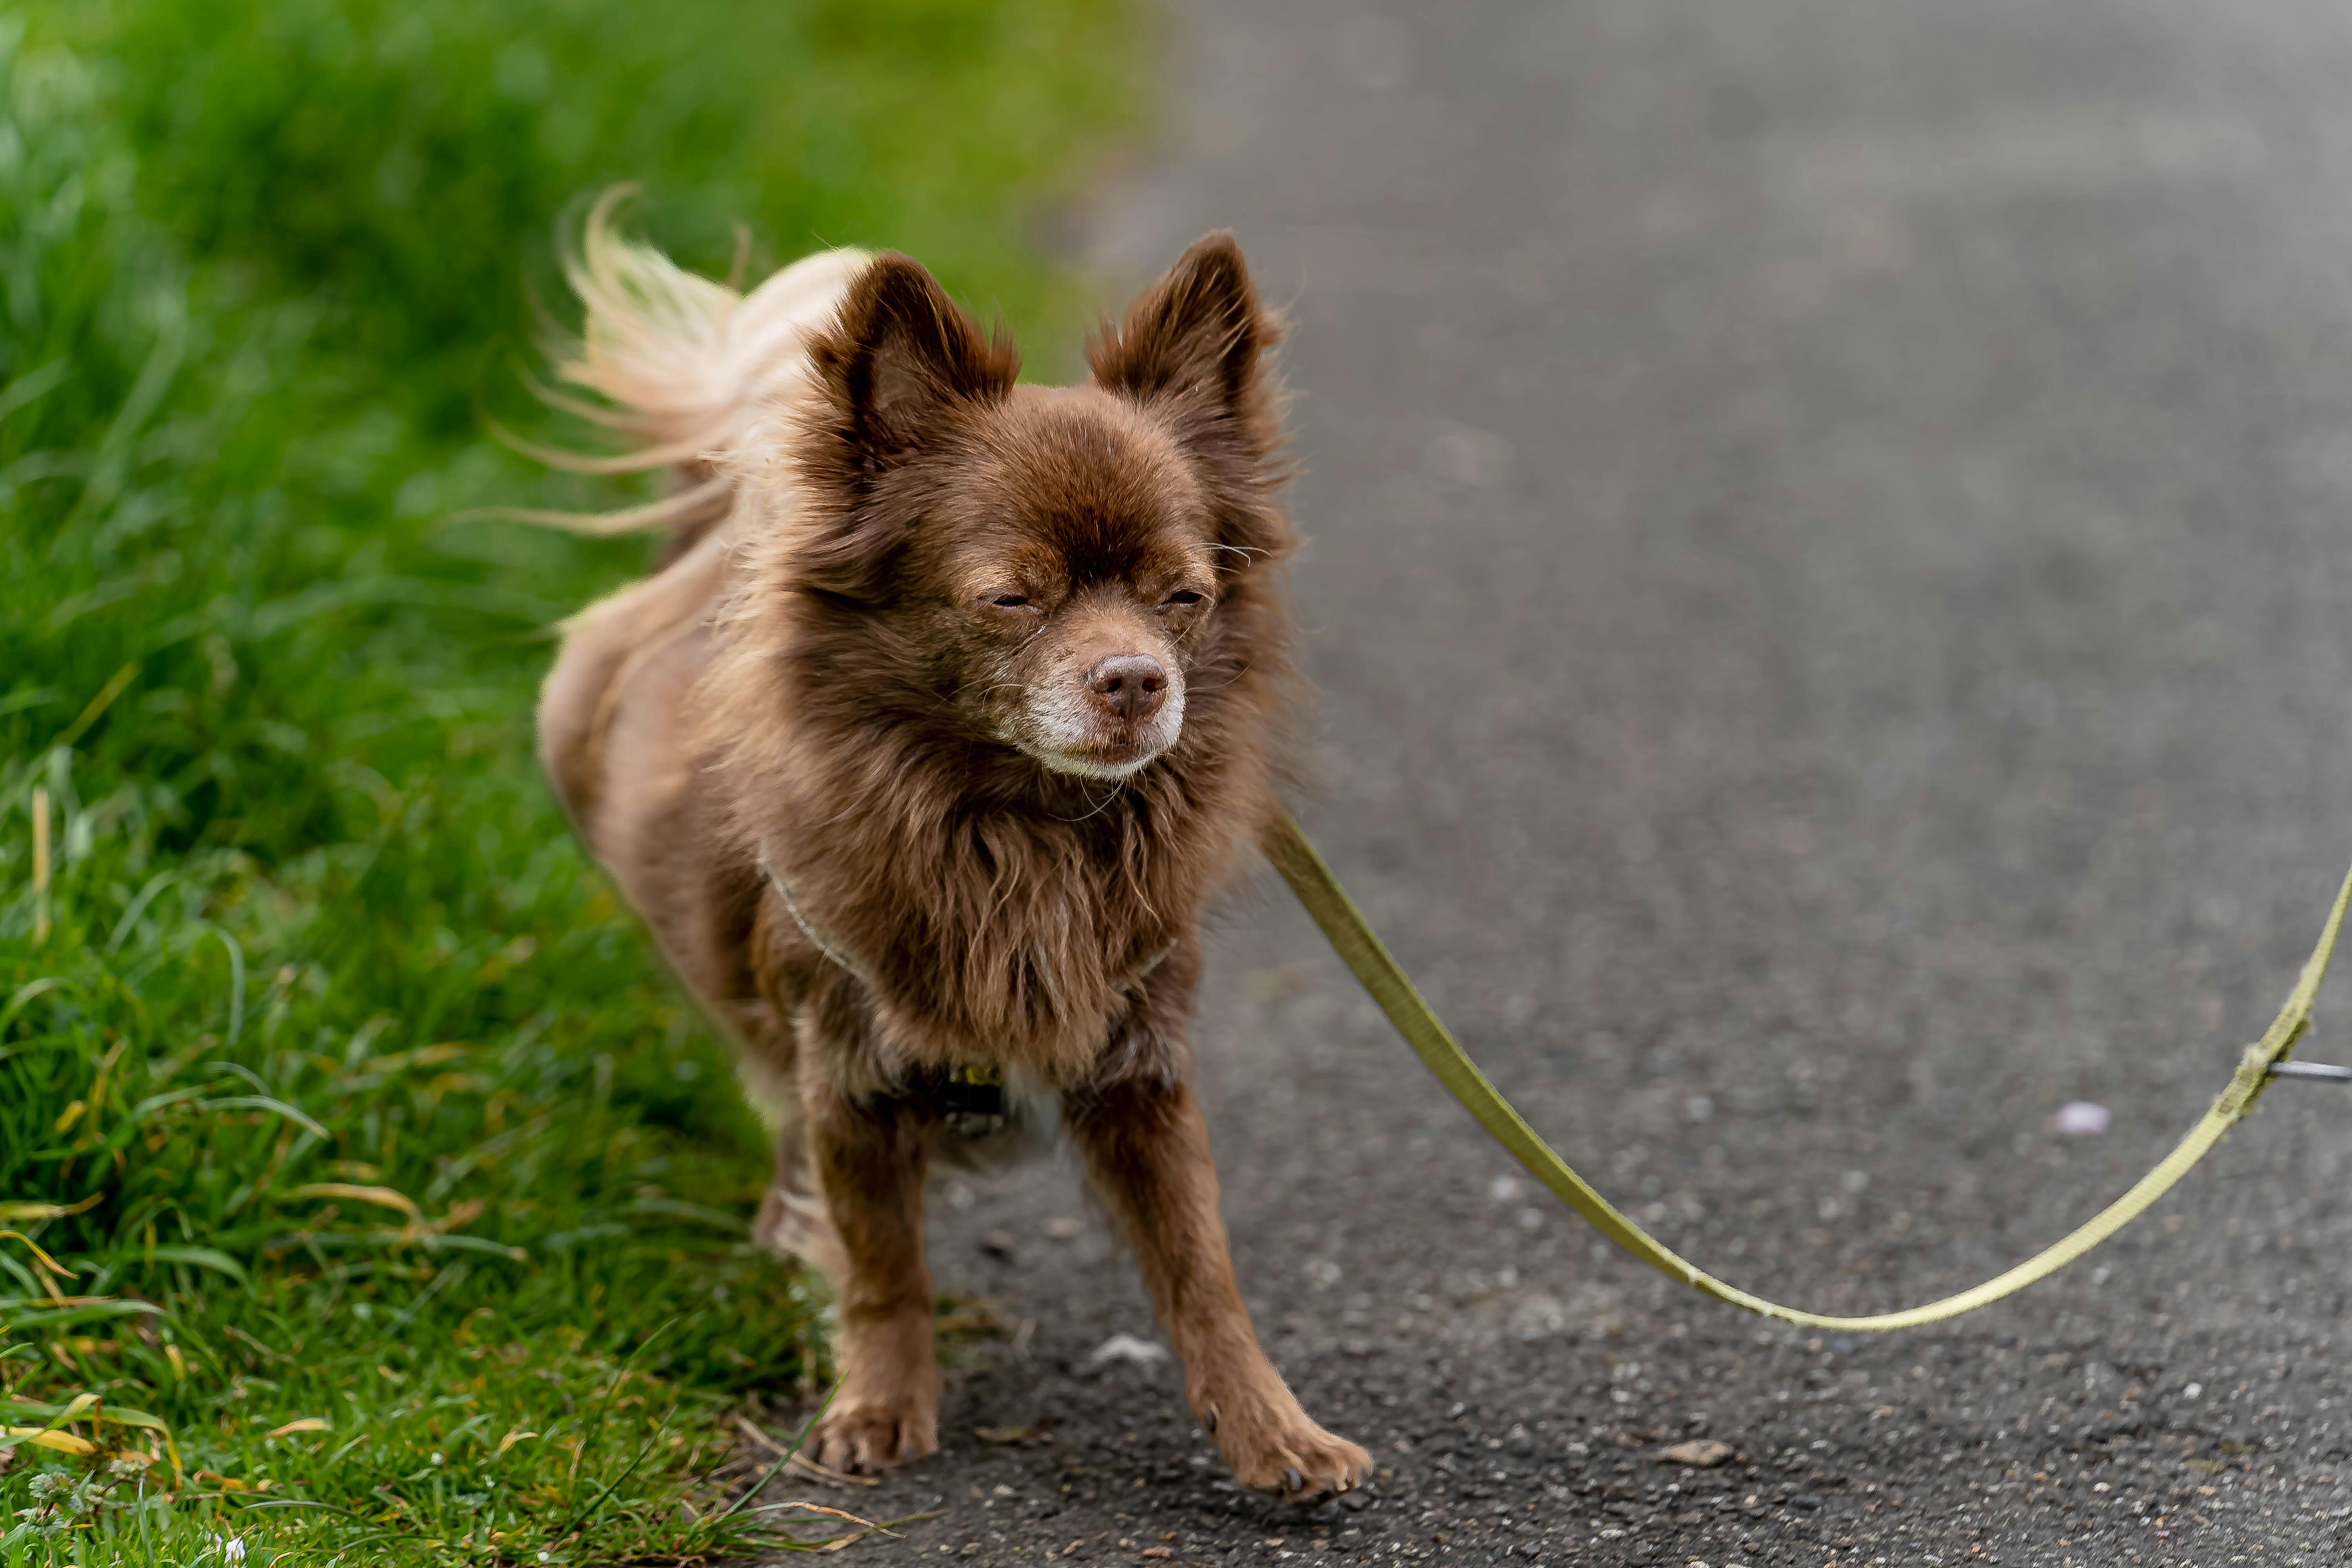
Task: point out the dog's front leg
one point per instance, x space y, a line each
869 1162
1147 1151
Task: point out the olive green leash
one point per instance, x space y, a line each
1362 950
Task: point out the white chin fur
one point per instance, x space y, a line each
1089 767
1065 719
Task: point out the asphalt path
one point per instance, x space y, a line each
1829 591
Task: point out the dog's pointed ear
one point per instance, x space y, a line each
1194 351
1198 335
900 357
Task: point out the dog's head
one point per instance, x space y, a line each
1063 572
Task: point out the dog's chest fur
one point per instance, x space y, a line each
1058 941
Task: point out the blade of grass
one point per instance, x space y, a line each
588 1437
760 1484
588 1513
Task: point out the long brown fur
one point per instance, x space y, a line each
932 753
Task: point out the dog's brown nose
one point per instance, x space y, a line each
1129 684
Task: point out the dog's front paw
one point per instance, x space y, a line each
863 1440
1290 1457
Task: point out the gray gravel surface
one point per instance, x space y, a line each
1830 592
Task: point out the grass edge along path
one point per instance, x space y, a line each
367 1193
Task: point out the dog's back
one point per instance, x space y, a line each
690 371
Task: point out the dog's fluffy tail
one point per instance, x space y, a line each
688 369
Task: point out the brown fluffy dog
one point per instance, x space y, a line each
925 752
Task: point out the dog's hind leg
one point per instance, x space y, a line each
1147 1152
792 1221
869 1158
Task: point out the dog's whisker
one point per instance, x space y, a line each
1118 788
1219 686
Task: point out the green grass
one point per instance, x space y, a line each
395 1199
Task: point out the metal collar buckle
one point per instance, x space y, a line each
972 1100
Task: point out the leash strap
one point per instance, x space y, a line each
1363 952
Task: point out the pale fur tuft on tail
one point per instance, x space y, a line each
689 370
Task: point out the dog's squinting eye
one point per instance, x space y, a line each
1010 601
1181 596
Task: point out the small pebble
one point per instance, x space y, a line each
1700 1453
2081 1118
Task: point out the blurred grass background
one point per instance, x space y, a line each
377 1159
